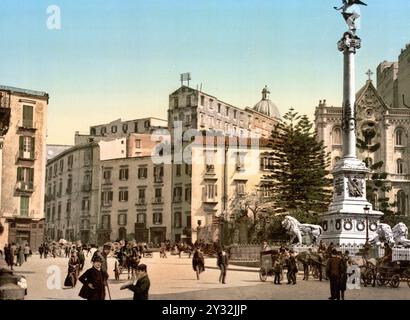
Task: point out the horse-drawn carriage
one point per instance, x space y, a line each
126 259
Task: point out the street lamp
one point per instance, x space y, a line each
366 212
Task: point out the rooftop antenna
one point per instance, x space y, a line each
185 77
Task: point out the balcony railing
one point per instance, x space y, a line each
86 187
23 186
158 200
158 179
141 202
27 125
177 199
25 156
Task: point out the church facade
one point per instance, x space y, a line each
385 109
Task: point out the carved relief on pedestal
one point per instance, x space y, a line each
355 186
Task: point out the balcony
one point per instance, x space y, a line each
141 202
158 200
86 187
26 156
85 214
107 181
27 125
210 200
177 199
158 179
107 204
23 186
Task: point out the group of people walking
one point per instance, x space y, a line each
16 255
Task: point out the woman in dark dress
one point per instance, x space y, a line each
198 262
73 266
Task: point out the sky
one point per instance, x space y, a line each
122 58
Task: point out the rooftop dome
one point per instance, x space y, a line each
266 106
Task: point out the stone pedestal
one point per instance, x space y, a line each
346 222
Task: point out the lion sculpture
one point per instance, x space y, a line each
384 234
297 230
400 234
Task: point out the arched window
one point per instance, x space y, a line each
401 203
399 137
337 136
400 166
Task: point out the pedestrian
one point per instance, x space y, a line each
277 269
141 285
41 251
343 279
334 271
292 268
94 281
20 256
9 256
26 252
81 258
222 263
265 246
46 249
72 275
67 251
198 262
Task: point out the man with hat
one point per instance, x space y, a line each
334 271
140 287
94 281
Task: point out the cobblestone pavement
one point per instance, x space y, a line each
174 279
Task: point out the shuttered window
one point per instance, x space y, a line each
27 116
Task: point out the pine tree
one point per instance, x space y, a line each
299 175
377 184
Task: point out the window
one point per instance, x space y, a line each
158 195
142 173
240 161
267 163
55 169
147 124
188 101
60 189
188 169
178 170
240 189
123 174
178 220
25 178
107 175
202 100
401 203
141 218
87 157
158 174
27 116
85 204
93 131
141 194
24 206
70 162
219 108
135 126
54 189
399 137
138 144
177 194
176 102
69 185
337 136
61 165
26 147
157 218
53 214
106 222
210 192
125 128
211 103
123 196
59 211
114 129
227 111
267 191
187 119
48 214
188 221
103 131
122 219
106 198
400 166
234 114
188 193
68 209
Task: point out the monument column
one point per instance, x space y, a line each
346 221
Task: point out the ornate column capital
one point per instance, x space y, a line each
349 42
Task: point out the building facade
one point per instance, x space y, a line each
380 109
23 157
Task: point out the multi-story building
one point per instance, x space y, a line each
135 200
22 169
384 110
195 113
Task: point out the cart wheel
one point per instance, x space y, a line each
315 272
395 281
380 280
368 277
263 275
